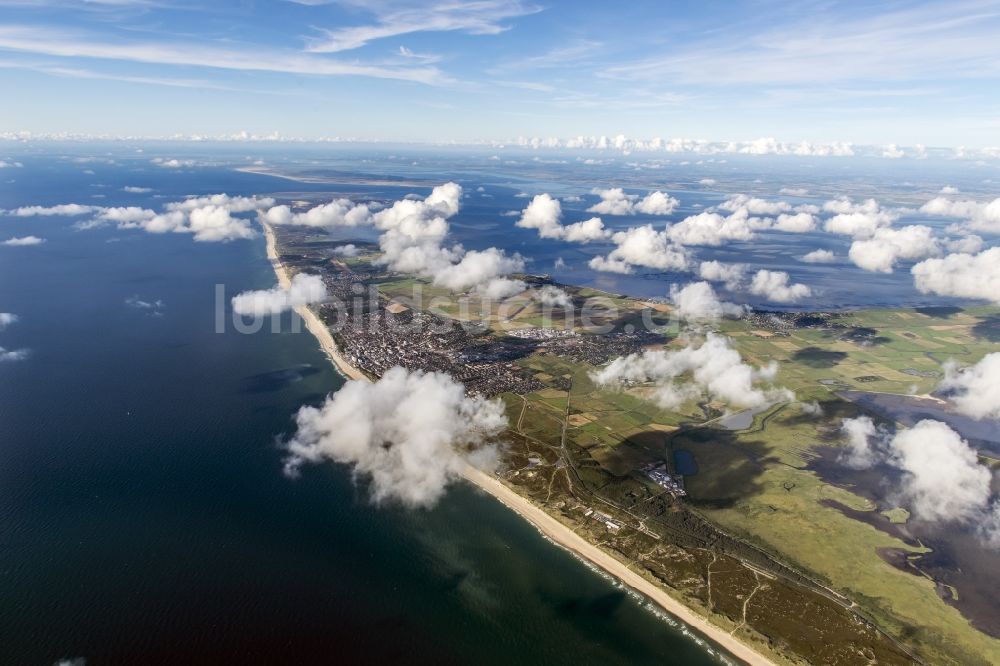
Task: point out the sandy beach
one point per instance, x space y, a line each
313 323
570 540
546 524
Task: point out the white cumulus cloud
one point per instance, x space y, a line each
819 257
410 434
712 369
962 275
698 302
716 271
795 223
942 479
553 296
304 290
711 229
642 246
982 217
774 286
544 214
66 210
886 246
337 213
976 388
18 241
614 201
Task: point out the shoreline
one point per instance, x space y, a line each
566 538
312 320
548 526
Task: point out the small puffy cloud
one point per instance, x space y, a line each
711 229
819 257
544 213
948 189
232 204
207 219
794 191
642 246
942 479
859 433
413 230
337 213
66 210
707 181
754 205
774 286
859 225
859 220
9 164
968 244
585 231
410 434
615 201
126 217
500 288
892 152
304 290
975 389
946 207
608 265
962 275
880 253
19 241
795 223
713 369
983 217
132 189
348 250
172 163
208 224
698 302
553 296
8 318
842 205
716 271
657 203
479 267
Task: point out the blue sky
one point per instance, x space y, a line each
872 73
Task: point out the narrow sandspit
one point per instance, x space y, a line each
312 320
550 527
563 536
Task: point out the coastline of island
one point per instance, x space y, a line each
553 530
313 323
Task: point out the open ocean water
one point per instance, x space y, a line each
144 518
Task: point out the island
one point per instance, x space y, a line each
742 525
